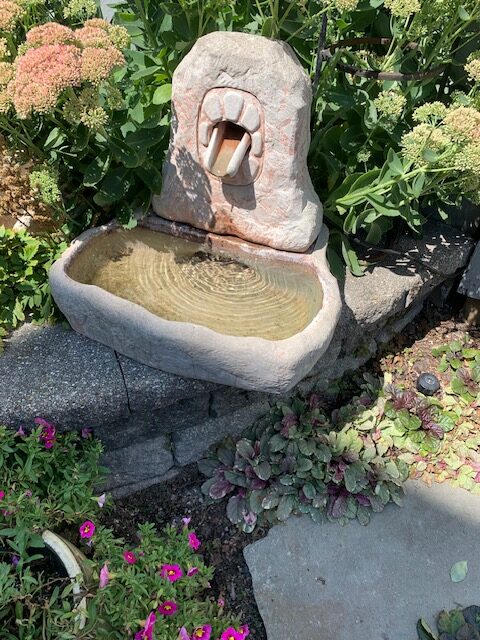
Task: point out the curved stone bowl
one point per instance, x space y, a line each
194 350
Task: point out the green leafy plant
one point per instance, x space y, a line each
24 264
458 624
300 460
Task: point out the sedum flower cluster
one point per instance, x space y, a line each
55 59
10 14
448 138
403 8
390 105
473 67
80 9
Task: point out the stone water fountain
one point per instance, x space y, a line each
229 281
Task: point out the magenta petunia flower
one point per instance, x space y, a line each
87 529
231 634
168 608
129 557
48 433
147 632
172 572
2 495
204 632
104 577
192 571
245 630
193 542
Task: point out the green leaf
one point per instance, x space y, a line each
285 507
267 28
97 169
263 470
163 94
394 163
463 13
459 571
424 632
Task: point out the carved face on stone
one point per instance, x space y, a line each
239 144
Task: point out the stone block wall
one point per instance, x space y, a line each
152 423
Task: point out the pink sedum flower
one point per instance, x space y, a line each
192 571
98 64
50 33
202 633
87 529
193 542
130 557
168 608
172 572
42 74
104 577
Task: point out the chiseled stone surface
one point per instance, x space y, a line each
368 583
257 83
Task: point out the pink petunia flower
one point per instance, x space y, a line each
186 521
87 529
204 632
193 542
245 630
104 577
231 634
48 434
129 557
147 632
221 603
168 608
192 571
182 634
172 572
2 495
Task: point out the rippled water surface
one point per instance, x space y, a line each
175 279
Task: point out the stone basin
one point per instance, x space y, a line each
199 304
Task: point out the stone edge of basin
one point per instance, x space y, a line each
192 350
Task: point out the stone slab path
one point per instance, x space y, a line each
326 582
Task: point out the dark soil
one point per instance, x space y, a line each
408 355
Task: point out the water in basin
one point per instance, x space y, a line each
177 279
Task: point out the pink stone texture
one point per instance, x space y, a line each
258 85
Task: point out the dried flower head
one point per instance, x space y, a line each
430 112
390 104
463 124
42 75
10 14
80 9
17 197
98 64
49 33
403 8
